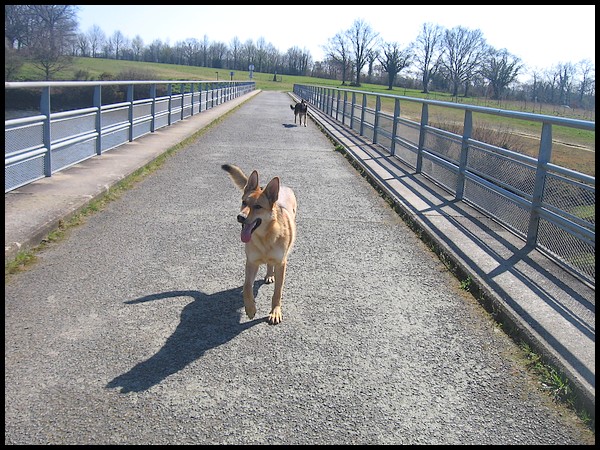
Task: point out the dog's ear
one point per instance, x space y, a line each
252 182
272 190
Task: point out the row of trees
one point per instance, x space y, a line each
456 60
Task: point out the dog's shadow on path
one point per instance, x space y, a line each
207 322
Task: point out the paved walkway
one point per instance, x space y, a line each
132 330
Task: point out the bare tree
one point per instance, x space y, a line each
83 44
463 50
362 39
500 68
249 52
372 58
96 38
137 46
535 87
338 51
53 32
394 59
428 50
12 61
218 53
274 59
587 85
261 53
204 45
296 61
190 49
235 50
550 87
152 53
566 74
17 23
118 41
108 48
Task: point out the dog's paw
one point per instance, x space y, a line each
250 309
269 279
275 316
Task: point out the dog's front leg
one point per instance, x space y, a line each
276 315
249 303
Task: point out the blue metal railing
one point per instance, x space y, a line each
550 207
40 144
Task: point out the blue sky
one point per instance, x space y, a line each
541 35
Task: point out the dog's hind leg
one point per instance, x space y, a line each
249 303
270 276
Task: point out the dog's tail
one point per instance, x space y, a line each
292 108
236 174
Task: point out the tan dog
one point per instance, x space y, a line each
300 111
268 218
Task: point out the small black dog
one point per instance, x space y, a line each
301 109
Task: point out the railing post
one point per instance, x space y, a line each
376 120
191 99
170 108
182 92
98 106
337 105
540 181
344 107
206 89
464 154
130 112
153 108
395 126
331 101
422 131
200 86
362 115
47 134
321 98
352 110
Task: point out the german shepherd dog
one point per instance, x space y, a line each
268 218
300 110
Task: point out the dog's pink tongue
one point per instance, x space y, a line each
247 232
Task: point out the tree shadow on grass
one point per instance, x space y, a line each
207 322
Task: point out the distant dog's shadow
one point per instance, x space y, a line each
207 322
289 125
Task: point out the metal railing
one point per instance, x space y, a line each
550 207
38 145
